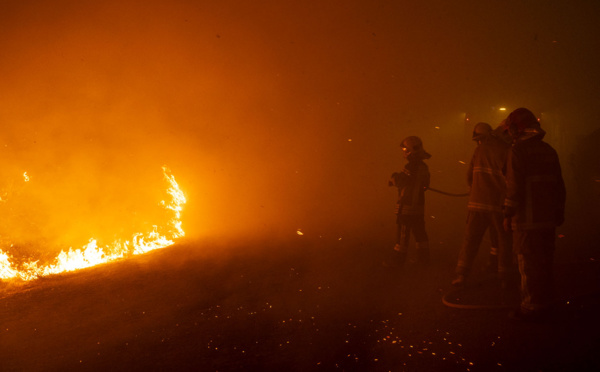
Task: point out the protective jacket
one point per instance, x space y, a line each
486 175
535 196
412 183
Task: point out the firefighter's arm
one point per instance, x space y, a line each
514 184
470 173
512 189
562 196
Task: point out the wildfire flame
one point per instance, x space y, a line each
92 255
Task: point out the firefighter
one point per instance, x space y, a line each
484 210
534 207
411 182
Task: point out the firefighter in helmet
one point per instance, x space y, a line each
484 209
534 207
411 183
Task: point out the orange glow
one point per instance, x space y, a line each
265 108
91 254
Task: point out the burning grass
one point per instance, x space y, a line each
91 254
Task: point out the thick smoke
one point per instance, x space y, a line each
273 115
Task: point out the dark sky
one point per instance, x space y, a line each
272 115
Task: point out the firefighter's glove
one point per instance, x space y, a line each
507 224
394 179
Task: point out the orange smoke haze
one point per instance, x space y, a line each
273 115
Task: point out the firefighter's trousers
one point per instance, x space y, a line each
477 224
535 254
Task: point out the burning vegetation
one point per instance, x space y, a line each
92 253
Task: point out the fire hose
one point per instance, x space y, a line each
446 193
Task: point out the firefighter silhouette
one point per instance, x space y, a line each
411 183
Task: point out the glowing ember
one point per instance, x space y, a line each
92 255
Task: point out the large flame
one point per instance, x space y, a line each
91 255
